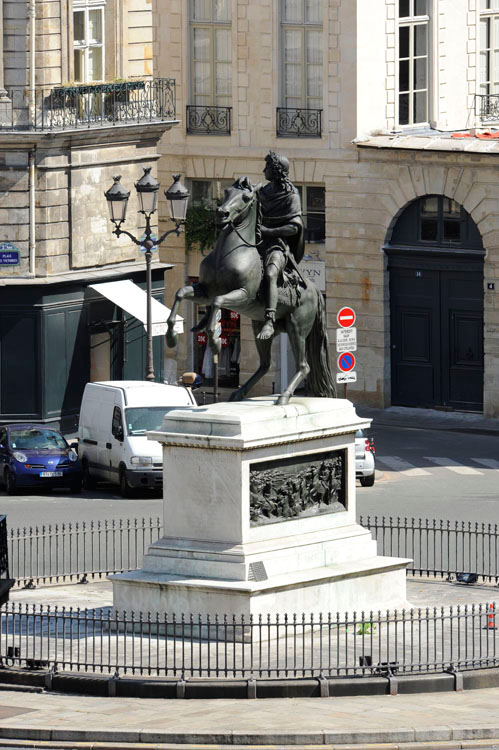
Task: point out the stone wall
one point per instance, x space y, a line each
366 189
14 208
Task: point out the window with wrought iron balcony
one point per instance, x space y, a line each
300 115
210 112
487 99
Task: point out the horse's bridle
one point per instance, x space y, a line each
234 228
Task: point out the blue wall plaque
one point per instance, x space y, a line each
9 255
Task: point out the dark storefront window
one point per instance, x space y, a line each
228 367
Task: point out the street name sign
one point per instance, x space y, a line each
346 317
346 377
346 340
9 255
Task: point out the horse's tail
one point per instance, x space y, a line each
320 380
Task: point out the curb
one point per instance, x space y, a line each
447 737
231 688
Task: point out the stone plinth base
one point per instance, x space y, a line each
259 509
363 585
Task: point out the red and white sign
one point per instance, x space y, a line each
346 362
346 317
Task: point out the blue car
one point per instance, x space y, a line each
34 455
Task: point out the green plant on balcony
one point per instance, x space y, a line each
200 226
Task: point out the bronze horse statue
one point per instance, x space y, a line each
230 276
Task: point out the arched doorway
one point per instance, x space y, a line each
435 262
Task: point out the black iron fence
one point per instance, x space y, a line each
380 643
440 548
487 107
61 108
79 551
299 123
88 550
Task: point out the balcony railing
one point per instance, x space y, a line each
487 107
299 123
202 120
62 108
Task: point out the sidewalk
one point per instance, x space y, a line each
430 419
410 721
451 719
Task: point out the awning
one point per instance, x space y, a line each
133 300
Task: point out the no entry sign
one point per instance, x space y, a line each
346 362
346 317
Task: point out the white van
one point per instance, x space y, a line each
114 419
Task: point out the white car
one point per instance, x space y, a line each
364 458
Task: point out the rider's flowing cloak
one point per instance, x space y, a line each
280 207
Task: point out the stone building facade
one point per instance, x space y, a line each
78 104
403 91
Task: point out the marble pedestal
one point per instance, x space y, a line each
259 516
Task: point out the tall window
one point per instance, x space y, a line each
413 39
211 53
301 53
88 35
313 201
489 46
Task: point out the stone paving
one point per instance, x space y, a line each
425 718
431 720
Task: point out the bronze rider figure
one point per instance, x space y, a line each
282 232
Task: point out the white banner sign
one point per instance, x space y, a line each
346 377
346 340
314 271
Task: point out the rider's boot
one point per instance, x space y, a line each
271 273
268 327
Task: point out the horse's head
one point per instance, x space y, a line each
238 200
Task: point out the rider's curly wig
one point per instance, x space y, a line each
280 169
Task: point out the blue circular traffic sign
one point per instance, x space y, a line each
346 362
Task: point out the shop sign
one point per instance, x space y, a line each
314 271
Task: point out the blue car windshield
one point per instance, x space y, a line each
36 439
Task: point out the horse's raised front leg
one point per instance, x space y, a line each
297 341
203 322
194 292
264 347
235 297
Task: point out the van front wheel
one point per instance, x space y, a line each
87 479
125 489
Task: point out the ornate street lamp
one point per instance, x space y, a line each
147 190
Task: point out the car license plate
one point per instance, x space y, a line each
51 474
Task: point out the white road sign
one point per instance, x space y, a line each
346 377
346 340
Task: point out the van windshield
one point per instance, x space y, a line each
140 419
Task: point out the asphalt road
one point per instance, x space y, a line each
420 473
433 474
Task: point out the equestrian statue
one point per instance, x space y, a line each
253 269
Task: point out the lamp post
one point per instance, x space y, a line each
147 190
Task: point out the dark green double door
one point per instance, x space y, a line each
436 310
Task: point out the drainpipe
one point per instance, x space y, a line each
32 224
32 58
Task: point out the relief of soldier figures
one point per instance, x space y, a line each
285 492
